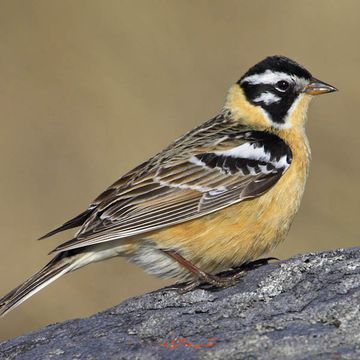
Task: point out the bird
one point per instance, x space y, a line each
217 198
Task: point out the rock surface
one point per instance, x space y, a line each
307 307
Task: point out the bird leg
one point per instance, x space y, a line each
201 276
222 280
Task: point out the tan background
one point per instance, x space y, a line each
88 89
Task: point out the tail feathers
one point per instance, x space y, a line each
72 223
57 267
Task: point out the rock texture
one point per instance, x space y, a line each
307 307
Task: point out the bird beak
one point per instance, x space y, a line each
317 87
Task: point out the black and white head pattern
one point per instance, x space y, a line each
275 84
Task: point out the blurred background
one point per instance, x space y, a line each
88 89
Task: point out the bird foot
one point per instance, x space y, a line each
224 279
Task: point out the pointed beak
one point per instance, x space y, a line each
317 87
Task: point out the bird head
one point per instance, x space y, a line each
275 93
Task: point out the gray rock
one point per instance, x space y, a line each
303 308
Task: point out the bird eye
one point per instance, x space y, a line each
282 85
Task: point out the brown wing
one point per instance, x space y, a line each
214 166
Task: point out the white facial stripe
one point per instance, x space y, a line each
272 77
267 98
267 77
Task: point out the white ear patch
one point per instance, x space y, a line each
267 98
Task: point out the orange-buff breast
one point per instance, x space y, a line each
244 231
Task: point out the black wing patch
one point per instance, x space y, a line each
263 153
232 165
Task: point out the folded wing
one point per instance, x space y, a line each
210 168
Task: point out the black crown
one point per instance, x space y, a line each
280 64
